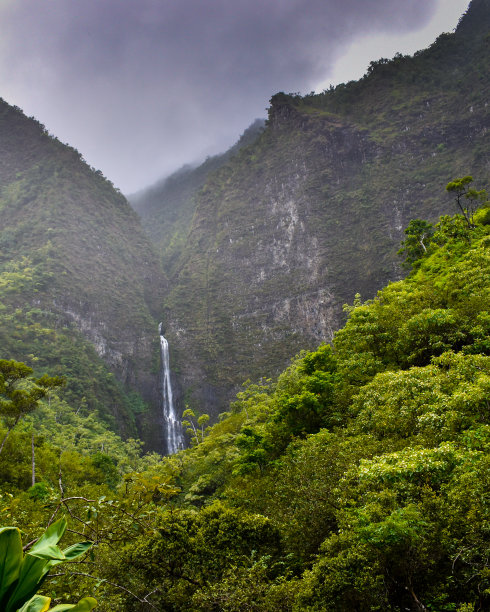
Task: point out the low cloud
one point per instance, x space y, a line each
142 86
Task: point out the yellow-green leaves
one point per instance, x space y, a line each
39 603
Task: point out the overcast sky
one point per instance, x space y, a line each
141 87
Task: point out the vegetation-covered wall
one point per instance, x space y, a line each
80 286
313 211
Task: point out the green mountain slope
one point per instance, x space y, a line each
360 476
357 480
80 285
166 209
313 211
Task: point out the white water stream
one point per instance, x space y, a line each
173 436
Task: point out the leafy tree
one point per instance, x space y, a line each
429 333
253 451
416 244
186 551
20 393
305 394
452 229
468 199
195 426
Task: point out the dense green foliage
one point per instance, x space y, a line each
358 480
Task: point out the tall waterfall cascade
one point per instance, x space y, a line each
173 435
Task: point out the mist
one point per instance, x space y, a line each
142 87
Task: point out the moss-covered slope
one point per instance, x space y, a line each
80 285
167 208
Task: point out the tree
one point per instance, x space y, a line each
472 198
185 551
195 428
20 393
419 233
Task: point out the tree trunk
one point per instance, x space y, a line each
33 460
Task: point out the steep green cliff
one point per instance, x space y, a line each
80 285
313 211
166 209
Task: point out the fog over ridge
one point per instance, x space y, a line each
141 87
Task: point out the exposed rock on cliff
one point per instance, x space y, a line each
313 211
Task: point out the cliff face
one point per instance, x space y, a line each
314 210
166 209
262 246
85 274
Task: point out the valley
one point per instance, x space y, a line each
262 383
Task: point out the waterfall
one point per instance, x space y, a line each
174 439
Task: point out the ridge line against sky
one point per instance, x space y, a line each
141 87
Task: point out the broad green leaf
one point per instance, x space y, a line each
84 605
33 571
76 550
31 574
38 603
24 574
10 559
48 552
48 541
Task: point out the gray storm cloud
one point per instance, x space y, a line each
142 86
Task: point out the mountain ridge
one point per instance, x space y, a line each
312 212
167 207
75 261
